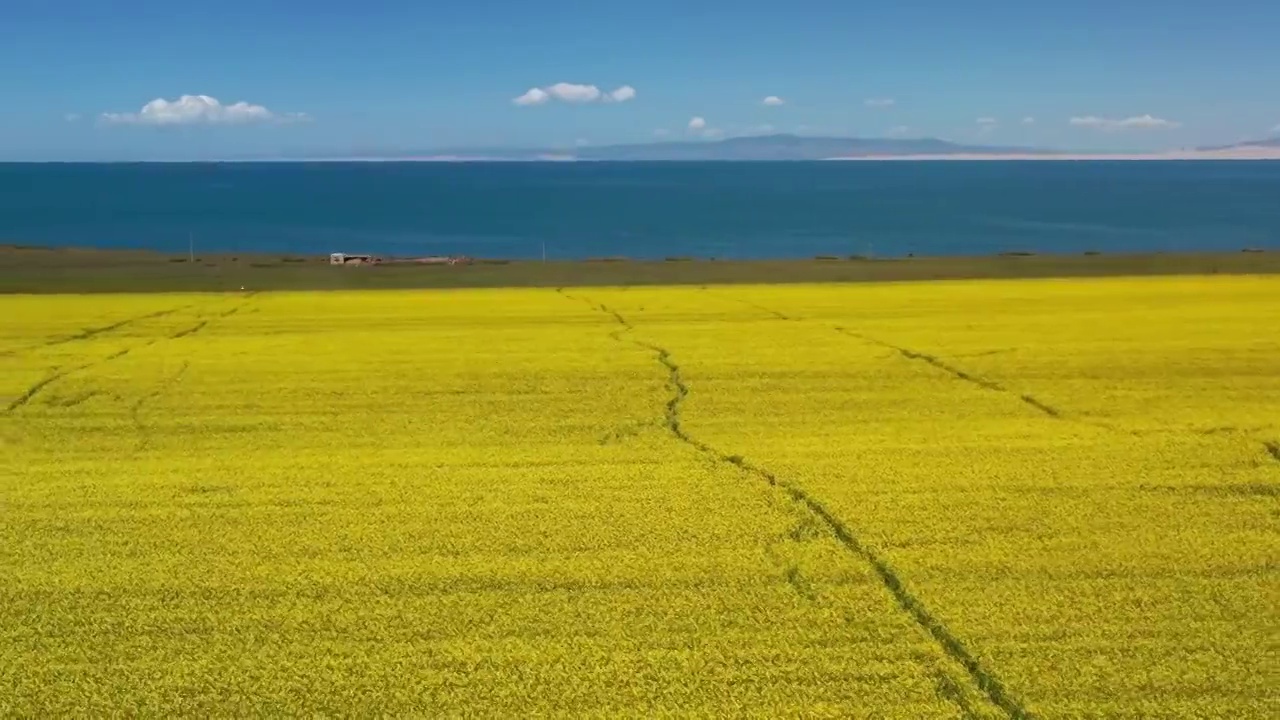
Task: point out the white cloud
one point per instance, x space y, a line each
71 117
1028 120
1276 129
898 130
698 126
574 93
765 129
200 110
1148 121
533 96
773 101
622 94
880 102
1141 122
1090 121
987 121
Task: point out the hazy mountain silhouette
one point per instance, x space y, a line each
761 147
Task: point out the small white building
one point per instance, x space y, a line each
349 259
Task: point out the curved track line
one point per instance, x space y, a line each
30 393
933 360
189 331
89 333
35 389
961 374
956 372
985 679
762 308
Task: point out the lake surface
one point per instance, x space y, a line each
646 210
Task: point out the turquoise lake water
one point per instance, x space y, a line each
646 210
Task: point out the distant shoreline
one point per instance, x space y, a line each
753 148
1241 154
43 270
1262 154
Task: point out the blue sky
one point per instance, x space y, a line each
326 77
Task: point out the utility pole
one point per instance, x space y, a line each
191 246
544 251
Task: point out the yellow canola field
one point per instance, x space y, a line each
977 499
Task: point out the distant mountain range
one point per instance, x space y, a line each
1266 144
763 147
788 147
798 147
